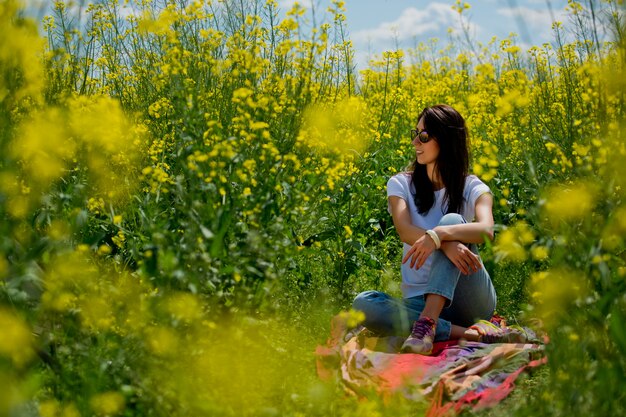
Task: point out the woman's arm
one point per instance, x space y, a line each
408 232
422 245
469 232
475 232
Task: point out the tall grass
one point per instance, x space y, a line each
189 190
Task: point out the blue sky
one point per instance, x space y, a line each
375 26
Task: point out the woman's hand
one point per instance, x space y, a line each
462 257
420 251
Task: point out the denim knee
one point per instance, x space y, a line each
363 300
451 219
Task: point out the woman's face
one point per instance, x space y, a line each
426 153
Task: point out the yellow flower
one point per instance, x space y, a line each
53 408
352 318
508 246
104 249
184 306
16 340
119 239
162 341
555 290
581 149
107 403
97 313
44 147
511 242
340 128
569 202
539 253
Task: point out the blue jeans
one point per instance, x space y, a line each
470 298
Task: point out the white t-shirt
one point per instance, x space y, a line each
400 185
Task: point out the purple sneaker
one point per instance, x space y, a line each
422 337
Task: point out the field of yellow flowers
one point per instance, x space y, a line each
190 191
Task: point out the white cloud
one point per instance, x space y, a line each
538 22
436 18
534 18
288 4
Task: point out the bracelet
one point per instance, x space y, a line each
434 237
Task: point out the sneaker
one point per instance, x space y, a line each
422 337
490 333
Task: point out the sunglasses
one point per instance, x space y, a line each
422 135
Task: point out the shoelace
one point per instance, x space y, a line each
421 327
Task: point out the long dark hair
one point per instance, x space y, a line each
447 127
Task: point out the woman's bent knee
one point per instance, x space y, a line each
452 218
364 299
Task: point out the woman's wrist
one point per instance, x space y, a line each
433 235
442 233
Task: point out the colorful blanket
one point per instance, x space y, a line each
456 376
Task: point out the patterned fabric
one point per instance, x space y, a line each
456 376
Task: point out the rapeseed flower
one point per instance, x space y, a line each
53 408
162 341
341 128
17 343
185 307
570 203
554 291
109 403
511 243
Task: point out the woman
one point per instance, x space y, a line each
440 213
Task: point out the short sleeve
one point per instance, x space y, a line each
398 186
475 188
